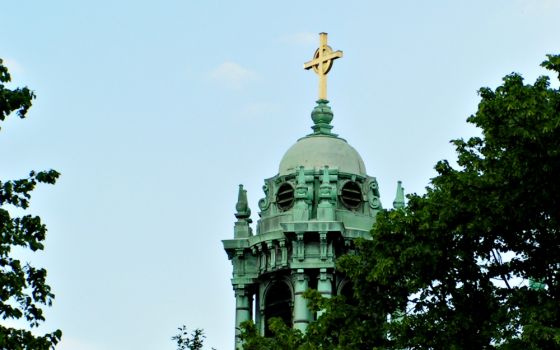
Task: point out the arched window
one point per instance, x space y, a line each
347 291
278 303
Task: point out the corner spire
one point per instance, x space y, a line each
242 206
398 203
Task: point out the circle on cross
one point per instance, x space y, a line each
322 55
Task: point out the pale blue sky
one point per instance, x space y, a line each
154 112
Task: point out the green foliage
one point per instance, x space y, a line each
453 266
194 341
342 326
451 270
552 63
17 100
283 337
23 288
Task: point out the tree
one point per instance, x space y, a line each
454 266
23 288
283 337
194 341
475 262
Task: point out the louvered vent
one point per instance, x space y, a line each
351 195
285 196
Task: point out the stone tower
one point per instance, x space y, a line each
320 201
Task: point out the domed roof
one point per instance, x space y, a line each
317 150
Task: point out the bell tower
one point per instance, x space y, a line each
320 201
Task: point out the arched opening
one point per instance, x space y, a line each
347 291
278 303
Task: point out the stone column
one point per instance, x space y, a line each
323 245
243 306
324 286
284 252
302 315
272 250
259 310
300 247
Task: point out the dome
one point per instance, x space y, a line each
316 151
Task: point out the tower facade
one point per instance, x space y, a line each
311 212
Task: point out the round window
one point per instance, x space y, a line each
285 196
351 195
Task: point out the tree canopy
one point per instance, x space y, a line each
23 288
475 262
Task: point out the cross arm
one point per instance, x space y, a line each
330 56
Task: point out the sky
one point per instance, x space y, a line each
155 111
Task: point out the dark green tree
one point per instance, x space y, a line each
186 341
283 337
475 262
23 288
454 266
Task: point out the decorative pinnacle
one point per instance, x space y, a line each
242 206
322 116
398 203
301 187
325 189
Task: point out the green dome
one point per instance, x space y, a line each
316 151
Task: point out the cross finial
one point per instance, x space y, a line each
322 63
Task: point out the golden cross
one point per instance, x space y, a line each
322 63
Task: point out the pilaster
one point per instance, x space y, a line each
324 286
243 310
302 315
